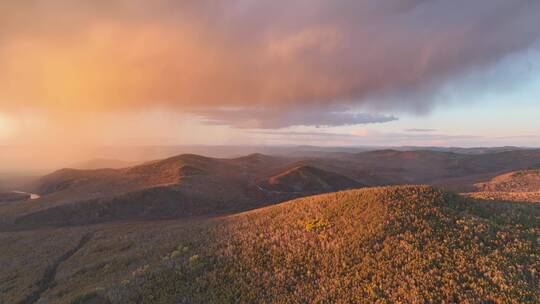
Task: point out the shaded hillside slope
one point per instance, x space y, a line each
186 185
304 178
152 189
453 171
13 196
111 181
193 197
371 168
192 185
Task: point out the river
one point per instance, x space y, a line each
33 196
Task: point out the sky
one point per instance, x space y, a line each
267 72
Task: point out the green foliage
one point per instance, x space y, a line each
194 259
182 249
315 225
177 252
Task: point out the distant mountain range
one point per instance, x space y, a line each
191 185
21 160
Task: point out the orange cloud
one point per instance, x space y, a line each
68 57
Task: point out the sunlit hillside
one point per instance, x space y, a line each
514 186
404 244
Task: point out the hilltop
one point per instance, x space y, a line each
390 244
516 186
181 186
101 163
519 181
190 185
397 244
304 178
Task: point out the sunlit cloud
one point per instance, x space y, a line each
360 137
80 73
79 56
420 130
6 127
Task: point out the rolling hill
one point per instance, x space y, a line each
305 179
400 244
409 244
515 186
519 181
370 168
191 185
181 186
13 196
453 171
103 163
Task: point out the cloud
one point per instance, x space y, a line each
268 58
368 137
421 130
274 118
372 134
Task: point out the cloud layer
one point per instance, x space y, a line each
275 63
274 118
